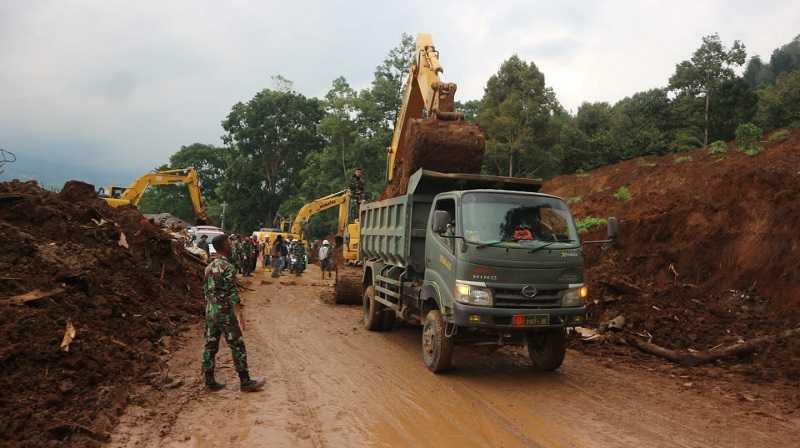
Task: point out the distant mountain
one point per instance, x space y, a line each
53 173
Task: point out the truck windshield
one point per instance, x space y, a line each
516 218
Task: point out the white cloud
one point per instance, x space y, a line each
133 81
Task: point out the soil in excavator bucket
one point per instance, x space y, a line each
438 145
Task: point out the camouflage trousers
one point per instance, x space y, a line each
223 324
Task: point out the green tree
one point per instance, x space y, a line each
747 137
709 67
641 125
786 58
779 105
387 86
270 137
735 102
469 109
517 113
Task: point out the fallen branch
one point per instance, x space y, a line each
689 359
36 294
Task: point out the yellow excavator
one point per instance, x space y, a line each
132 194
346 232
429 133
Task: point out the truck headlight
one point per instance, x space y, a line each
574 296
474 295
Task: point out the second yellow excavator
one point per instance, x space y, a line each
132 194
346 232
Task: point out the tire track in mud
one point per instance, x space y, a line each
309 425
377 373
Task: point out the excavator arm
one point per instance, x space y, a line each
340 199
434 145
133 193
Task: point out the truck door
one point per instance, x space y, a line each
440 258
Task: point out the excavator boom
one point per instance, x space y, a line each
340 199
133 193
429 133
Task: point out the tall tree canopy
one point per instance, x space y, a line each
517 112
710 66
270 137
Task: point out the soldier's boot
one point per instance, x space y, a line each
211 383
250 385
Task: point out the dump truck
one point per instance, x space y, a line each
475 259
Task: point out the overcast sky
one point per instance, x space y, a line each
124 84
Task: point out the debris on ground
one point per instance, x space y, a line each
708 256
82 307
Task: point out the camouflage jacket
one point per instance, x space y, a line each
219 286
247 250
298 249
357 187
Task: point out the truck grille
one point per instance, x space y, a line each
513 298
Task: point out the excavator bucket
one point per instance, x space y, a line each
447 146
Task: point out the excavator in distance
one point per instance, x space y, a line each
132 194
346 232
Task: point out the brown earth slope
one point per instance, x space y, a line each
123 295
709 253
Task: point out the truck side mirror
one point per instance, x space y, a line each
613 228
441 218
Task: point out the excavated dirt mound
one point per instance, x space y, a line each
709 252
124 295
446 146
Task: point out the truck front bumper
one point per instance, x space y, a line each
516 318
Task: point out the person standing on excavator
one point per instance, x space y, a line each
356 192
224 317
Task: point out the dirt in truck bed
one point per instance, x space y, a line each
446 146
123 285
709 253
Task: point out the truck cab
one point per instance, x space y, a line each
505 259
493 261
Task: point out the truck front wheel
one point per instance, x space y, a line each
547 348
437 347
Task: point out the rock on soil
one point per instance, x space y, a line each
122 302
446 146
709 252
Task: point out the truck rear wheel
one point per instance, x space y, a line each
373 312
437 348
547 348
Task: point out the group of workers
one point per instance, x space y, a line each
224 307
280 251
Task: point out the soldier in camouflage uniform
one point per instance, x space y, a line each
223 317
356 192
234 256
244 255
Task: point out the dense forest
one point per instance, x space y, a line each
281 148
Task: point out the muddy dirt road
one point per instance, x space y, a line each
331 383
